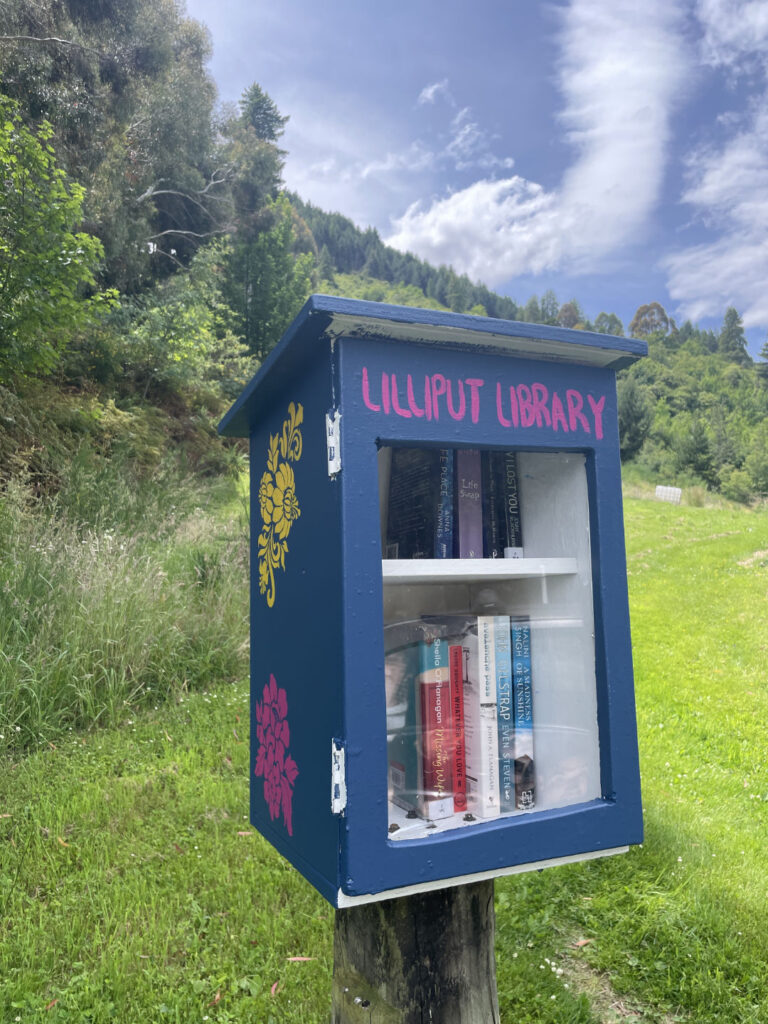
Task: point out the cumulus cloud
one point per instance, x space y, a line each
728 185
618 96
733 29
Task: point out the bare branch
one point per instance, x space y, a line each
189 234
53 39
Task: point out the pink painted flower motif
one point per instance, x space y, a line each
273 762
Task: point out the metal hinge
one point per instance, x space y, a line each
333 441
338 778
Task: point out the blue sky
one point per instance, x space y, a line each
612 150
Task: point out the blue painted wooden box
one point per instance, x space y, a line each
352 392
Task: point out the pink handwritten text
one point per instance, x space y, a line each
517 406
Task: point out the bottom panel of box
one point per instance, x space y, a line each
343 900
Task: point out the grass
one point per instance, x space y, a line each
127 891
120 593
133 888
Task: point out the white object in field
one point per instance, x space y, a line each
672 494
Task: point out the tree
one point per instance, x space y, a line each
570 314
532 311
260 112
609 323
267 280
762 368
635 415
124 85
45 264
180 332
550 307
732 342
649 320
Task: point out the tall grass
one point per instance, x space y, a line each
119 593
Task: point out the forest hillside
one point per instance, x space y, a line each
150 257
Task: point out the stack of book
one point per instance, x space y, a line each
460 716
446 503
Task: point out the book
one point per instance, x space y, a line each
494 536
402 665
436 739
522 682
504 713
457 661
469 510
513 528
481 738
444 539
414 487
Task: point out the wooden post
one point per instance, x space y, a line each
417 959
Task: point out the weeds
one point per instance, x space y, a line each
110 599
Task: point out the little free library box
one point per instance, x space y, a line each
441 668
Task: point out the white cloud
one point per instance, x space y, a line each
469 146
728 186
729 191
621 66
431 92
733 30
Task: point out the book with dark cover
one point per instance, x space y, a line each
522 683
469 507
504 712
494 535
444 533
513 530
457 659
436 729
414 492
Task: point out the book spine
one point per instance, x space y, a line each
487 655
525 770
436 730
504 713
444 525
403 725
513 528
412 504
469 503
457 662
493 505
481 731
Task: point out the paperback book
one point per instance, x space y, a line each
480 723
414 483
504 713
458 657
469 508
436 736
525 769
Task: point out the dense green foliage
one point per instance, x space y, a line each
150 257
696 411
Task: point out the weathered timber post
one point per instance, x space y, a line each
427 957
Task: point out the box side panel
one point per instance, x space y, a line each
404 395
296 669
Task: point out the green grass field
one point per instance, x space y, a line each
132 888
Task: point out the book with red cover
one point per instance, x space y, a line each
456 659
436 729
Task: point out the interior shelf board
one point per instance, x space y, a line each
457 570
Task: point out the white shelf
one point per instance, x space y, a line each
464 570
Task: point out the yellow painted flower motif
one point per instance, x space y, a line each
286 507
278 504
